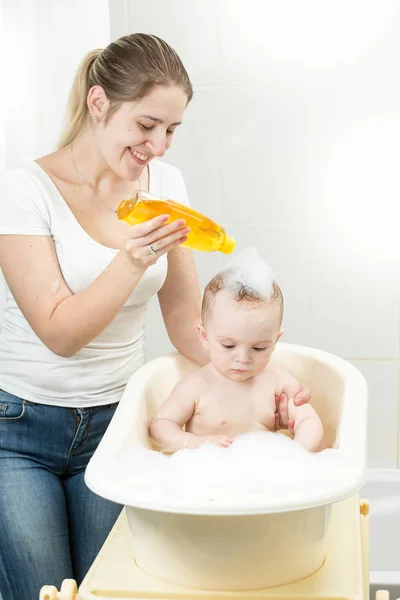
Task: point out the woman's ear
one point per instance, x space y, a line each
280 334
97 102
202 335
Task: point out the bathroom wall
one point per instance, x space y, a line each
292 141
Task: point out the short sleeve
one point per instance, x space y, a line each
180 187
168 181
23 208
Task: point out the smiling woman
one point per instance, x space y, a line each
137 132
78 284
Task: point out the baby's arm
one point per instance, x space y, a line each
302 420
308 429
166 425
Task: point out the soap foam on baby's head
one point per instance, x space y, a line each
248 269
249 279
241 317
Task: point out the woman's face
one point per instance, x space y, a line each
139 131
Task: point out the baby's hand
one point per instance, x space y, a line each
222 441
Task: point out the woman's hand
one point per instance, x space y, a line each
146 242
282 420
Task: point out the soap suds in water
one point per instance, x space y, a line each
256 463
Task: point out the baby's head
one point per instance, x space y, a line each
241 323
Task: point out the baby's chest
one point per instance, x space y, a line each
237 406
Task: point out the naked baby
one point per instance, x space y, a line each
235 393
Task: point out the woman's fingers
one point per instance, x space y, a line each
144 256
159 244
146 242
164 249
154 229
303 396
142 229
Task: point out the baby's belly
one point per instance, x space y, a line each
201 425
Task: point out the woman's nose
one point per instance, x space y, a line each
157 145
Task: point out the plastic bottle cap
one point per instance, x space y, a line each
229 245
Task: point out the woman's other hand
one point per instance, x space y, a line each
282 415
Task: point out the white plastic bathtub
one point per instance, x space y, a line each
229 543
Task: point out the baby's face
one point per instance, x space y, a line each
240 337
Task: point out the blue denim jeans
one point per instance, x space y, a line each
51 525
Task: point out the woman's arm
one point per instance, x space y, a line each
66 322
180 302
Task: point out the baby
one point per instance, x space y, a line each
235 393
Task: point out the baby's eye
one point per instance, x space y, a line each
228 346
259 349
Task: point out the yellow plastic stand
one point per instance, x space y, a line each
68 591
343 576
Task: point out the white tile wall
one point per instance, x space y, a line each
266 157
354 307
383 418
308 41
191 28
293 142
48 39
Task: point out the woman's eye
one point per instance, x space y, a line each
259 349
227 346
146 127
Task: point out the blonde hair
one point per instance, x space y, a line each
244 294
127 70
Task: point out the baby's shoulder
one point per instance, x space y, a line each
205 376
195 381
276 372
268 375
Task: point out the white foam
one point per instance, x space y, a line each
259 463
249 269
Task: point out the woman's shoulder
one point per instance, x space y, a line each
23 173
27 177
28 182
167 180
164 169
25 201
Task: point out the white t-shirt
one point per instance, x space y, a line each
31 204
